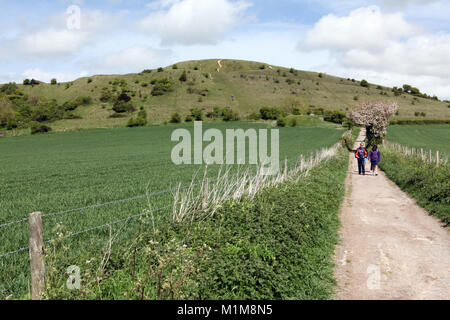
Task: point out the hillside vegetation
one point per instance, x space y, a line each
241 88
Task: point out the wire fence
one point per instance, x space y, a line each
427 156
289 162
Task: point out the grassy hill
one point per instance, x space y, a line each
252 84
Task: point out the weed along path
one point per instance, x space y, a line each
390 247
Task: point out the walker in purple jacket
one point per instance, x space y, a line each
374 158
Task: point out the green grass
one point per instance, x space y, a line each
252 87
429 185
428 137
278 246
60 171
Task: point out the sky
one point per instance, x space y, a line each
388 42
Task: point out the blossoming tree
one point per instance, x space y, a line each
375 117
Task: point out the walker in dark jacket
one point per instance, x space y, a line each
374 158
361 155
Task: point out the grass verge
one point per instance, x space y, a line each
280 245
429 185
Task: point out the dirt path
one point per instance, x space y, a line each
220 65
390 247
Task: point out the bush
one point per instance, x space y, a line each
84 101
89 80
39 128
197 114
364 84
175 118
136 122
189 118
254 116
160 69
70 106
26 82
106 95
140 121
230 115
53 82
335 116
122 107
174 67
270 113
161 87
293 122
183 77
9 88
281 122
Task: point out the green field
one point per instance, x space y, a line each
56 172
428 137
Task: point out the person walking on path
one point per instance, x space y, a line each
361 155
374 158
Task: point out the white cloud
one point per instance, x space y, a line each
190 22
57 40
52 42
403 3
135 59
383 47
366 28
45 76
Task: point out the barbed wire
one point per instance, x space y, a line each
289 162
91 229
111 202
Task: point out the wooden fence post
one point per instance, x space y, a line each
205 194
430 157
437 159
36 248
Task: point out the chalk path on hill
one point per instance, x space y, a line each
390 247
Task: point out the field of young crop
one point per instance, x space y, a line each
58 172
428 137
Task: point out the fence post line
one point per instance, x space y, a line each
437 159
36 249
430 157
205 194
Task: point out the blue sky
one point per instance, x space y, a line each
389 42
